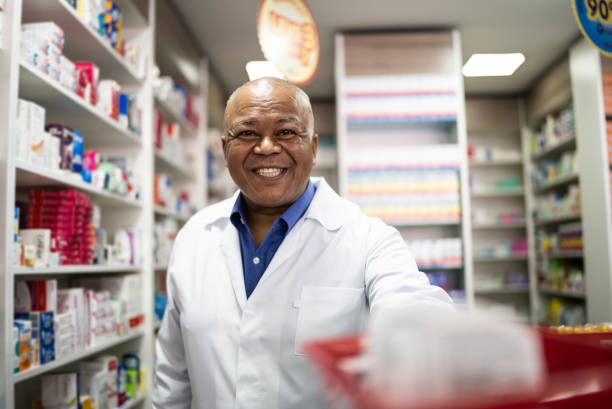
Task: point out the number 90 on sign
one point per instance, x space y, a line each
600 9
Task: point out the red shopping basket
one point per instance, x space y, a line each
578 366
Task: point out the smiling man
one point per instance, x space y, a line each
283 262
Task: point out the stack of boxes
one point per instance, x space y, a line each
34 145
42 47
67 214
35 306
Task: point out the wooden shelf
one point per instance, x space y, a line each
75 269
64 106
557 220
498 226
28 175
82 43
510 257
502 291
561 293
558 182
483 193
495 163
556 149
48 367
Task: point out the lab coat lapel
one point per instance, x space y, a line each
230 247
287 249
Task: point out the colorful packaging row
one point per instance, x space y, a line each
562 275
106 382
42 48
485 154
507 280
484 216
52 323
516 247
429 213
556 311
176 98
567 238
403 183
555 205
167 138
557 127
549 171
437 253
164 195
62 148
105 17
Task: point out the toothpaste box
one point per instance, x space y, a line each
40 319
47 354
45 337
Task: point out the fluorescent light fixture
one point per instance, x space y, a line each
493 65
259 69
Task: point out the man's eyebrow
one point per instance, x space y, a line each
246 122
287 120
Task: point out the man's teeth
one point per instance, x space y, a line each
269 172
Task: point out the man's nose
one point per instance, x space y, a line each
267 146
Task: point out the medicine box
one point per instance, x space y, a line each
24 346
61 390
41 240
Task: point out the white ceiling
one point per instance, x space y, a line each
540 29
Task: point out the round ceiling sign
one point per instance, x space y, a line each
594 18
288 37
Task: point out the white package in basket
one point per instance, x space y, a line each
424 356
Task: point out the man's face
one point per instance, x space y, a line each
267 145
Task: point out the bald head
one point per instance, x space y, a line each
267 90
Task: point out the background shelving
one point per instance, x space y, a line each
401 137
501 274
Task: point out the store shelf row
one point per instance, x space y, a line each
502 291
65 106
162 211
166 163
484 193
83 43
561 293
498 226
559 219
42 369
171 115
556 149
509 257
29 175
557 183
495 163
75 269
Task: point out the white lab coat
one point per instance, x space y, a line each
218 350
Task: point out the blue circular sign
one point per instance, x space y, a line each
594 18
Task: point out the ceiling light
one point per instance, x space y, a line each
493 65
259 69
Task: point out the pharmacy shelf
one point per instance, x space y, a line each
42 369
558 220
502 291
82 42
494 163
167 164
483 193
75 269
560 293
566 254
441 267
498 226
556 149
558 182
162 211
422 224
133 403
132 16
64 106
510 257
29 175
170 115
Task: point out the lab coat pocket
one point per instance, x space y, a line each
326 312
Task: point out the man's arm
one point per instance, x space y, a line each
392 278
172 389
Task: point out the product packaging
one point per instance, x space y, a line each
61 390
41 240
24 348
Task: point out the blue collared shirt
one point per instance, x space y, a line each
255 260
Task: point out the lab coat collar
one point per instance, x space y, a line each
326 207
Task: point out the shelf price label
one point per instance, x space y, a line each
594 18
289 38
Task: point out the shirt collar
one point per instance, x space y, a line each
327 207
290 216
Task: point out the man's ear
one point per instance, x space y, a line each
315 145
224 145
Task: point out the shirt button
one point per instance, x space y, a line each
256 260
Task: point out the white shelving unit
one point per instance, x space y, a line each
394 96
20 80
575 79
498 213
